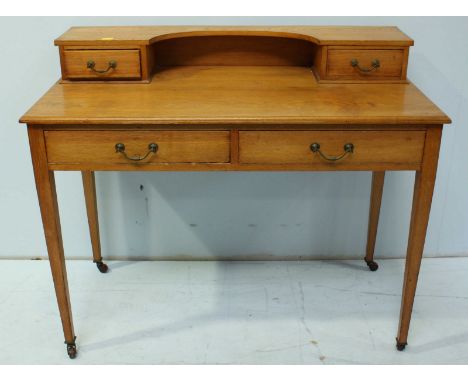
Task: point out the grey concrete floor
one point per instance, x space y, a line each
185 312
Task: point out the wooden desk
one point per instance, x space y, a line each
234 99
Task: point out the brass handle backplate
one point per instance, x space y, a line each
92 65
375 64
120 148
348 149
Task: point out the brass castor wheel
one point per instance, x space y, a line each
103 268
71 350
401 346
373 266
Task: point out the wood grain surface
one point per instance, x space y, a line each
173 146
75 63
294 146
339 63
236 95
322 35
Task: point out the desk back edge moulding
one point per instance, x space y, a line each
191 98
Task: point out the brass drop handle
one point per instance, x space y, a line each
120 148
374 65
348 149
92 65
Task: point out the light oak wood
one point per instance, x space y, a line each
89 187
234 51
45 184
292 147
75 64
378 178
404 68
147 63
96 147
235 46
297 89
322 35
320 62
250 127
234 147
234 95
101 47
324 166
332 64
422 200
339 64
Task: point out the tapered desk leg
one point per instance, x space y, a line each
422 199
378 178
89 187
45 184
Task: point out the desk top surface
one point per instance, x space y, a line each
234 95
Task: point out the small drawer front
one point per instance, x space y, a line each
101 64
365 64
99 147
367 147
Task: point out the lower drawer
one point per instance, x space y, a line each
99 147
331 147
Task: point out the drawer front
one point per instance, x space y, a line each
367 64
99 64
294 147
99 147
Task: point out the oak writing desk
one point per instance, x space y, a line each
234 99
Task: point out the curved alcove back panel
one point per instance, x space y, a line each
233 50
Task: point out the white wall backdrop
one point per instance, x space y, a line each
232 215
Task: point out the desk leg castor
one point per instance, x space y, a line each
71 349
401 345
373 266
103 268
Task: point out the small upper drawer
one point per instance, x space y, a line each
365 64
101 64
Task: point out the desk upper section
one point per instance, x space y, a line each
337 54
234 75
